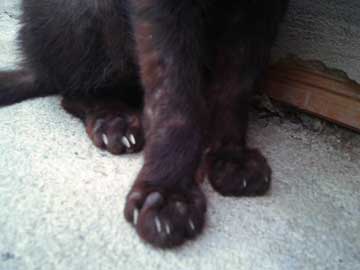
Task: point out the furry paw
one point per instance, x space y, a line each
249 175
117 133
166 219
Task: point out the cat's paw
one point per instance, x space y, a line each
166 219
249 175
118 133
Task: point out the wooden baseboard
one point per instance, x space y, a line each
335 99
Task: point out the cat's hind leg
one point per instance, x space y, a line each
111 123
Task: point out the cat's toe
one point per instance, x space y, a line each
248 176
116 134
166 219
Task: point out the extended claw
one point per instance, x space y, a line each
132 139
126 142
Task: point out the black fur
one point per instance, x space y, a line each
189 65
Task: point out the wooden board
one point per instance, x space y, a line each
337 100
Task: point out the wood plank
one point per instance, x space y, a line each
337 100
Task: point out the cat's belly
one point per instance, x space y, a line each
77 44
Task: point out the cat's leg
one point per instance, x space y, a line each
232 167
165 204
110 122
102 85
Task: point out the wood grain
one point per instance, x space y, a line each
337 100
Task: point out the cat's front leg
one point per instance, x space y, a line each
165 204
232 167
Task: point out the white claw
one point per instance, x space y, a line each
105 139
167 229
135 216
245 183
181 208
132 139
126 142
192 225
158 224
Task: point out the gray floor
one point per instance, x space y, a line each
61 199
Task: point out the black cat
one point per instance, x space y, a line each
177 75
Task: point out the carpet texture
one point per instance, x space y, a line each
61 199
